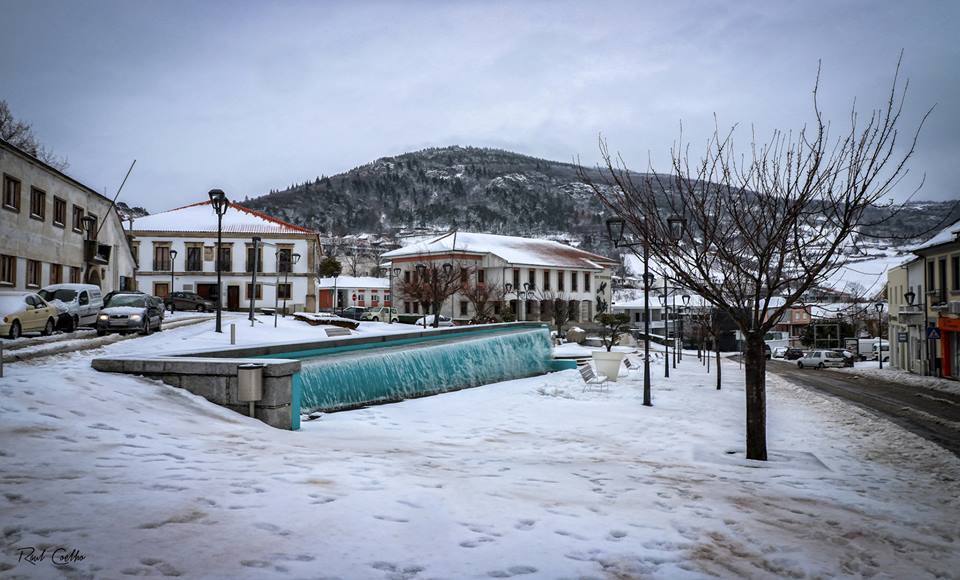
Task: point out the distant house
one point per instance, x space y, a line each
362 291
543 269
286 257
54 229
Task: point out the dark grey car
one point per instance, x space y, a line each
130 313
189 301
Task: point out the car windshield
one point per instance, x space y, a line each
10 304
63 295
127 300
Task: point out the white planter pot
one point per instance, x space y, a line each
608 363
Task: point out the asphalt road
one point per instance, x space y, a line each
934 415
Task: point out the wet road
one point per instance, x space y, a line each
934 415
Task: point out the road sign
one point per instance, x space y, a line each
901 337
933 333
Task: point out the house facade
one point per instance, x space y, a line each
360 291
524 276
176 250
54 229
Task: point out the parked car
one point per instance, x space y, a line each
352 312
82 302
849 359
819 359
793 354
779 352
766 351
25 312
444 321
188 301
378 313
130 312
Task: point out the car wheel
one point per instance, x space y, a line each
376 319
76 324
146 327
48 328
15 330
820 366
800 365
201 308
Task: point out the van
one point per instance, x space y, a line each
82 303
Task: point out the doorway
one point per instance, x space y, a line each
161 289
233 298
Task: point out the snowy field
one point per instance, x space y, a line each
872 369
528 478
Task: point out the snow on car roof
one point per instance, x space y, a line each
199 217
512 249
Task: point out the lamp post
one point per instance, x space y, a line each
910 296
173 262
615 227
253 278
666 330
394 272
220 203
88 223
507 289
527 294
294 258
421 272
879 307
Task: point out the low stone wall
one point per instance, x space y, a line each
215 379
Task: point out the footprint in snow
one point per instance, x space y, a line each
525 524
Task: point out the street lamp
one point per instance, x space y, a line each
615 229
253 278
421 274
686 302
220 203
879 307
394 273
666 329
527 294
173 261
294 258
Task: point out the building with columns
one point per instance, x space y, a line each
539 271
175 251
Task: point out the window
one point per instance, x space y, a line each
8 270
259 295
11 193
955 272
284 260
573 281
77 219
931 279
33 272
406 307
375 299
586 281
226 257
38 203
560 280
532 278
283 291
93 227
481 276
161 258
56 274
463 307
406 277
516 279
74 275
942 287
194 259
59 212
135 250
546 280
250 258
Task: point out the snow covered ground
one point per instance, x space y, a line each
872 369
529 478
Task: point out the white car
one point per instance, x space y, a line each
378 313
818 359
82 303
779 352
444 321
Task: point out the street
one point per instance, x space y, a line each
934 415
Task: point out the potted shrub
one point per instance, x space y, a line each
612 327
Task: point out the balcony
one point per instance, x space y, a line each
96 253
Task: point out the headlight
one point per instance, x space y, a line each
134 317
104 317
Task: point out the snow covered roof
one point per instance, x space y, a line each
354 282
944 236
199 217
512 249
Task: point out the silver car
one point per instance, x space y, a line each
134 312
818 359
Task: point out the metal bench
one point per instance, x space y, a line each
590 378
630 366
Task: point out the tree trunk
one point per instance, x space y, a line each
717 345
755 370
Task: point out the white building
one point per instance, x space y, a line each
361 291
191 232
544 269
54 229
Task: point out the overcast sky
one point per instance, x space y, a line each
253 96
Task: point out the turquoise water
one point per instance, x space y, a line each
341 378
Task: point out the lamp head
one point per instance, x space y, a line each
686 299
879 306
295 257
910 296
219 201
173 254
615 230
508 287
662 298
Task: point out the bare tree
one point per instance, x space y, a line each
432 284
557 305
745 230
20 134
483 296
